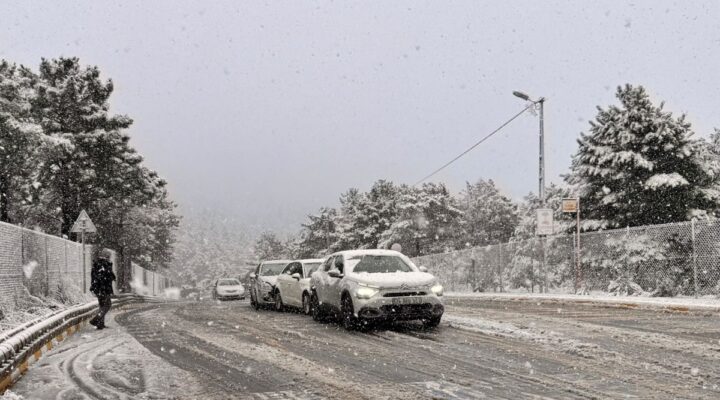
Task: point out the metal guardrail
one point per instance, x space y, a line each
19 344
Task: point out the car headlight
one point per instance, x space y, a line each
437 289
364 292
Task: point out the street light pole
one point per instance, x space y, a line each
541 173
541 183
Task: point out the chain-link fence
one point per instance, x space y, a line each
41 265
663 260
38 264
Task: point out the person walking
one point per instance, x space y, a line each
101 279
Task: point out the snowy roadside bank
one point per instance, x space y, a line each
25 344
107 364
710 304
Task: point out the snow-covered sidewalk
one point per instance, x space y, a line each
107 364
710 304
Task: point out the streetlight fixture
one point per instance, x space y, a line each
521 95
541 173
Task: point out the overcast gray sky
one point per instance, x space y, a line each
268 110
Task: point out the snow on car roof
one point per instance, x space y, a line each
275 261
370 252
310 260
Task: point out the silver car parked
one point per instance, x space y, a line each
362 286
263 280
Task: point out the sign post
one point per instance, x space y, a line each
572 205
83 225
544 228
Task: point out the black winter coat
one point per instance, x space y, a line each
101 277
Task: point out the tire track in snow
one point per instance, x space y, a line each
398 362
107 364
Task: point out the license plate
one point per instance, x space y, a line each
407 300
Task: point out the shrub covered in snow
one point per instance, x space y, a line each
624 286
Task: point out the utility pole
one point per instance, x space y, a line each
541 189
541 183
82 235
541 177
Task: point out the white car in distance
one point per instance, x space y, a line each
293 285
228 288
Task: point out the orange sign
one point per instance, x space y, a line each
569 205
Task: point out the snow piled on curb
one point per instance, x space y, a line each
9 395
700 304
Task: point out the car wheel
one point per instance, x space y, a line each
432 322
307 306
253 301
347 315
279 306
317 314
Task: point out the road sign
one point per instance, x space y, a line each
570 205
83 224
544 221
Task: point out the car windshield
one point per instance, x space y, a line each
378 264
272 269
310 268
228 282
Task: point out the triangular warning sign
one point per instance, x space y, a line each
83 224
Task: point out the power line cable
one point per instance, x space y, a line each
475 145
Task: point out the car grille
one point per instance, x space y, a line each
404 294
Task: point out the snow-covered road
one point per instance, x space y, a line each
483 349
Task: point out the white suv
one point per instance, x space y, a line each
362 286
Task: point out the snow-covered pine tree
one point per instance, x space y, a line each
269 247
346 220
637 166
708 154
489 216
317 235
428 221
72 107
368 215
19 139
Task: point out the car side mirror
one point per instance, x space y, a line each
296 276
253 276
333 273
423 269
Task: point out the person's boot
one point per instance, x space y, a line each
93 321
